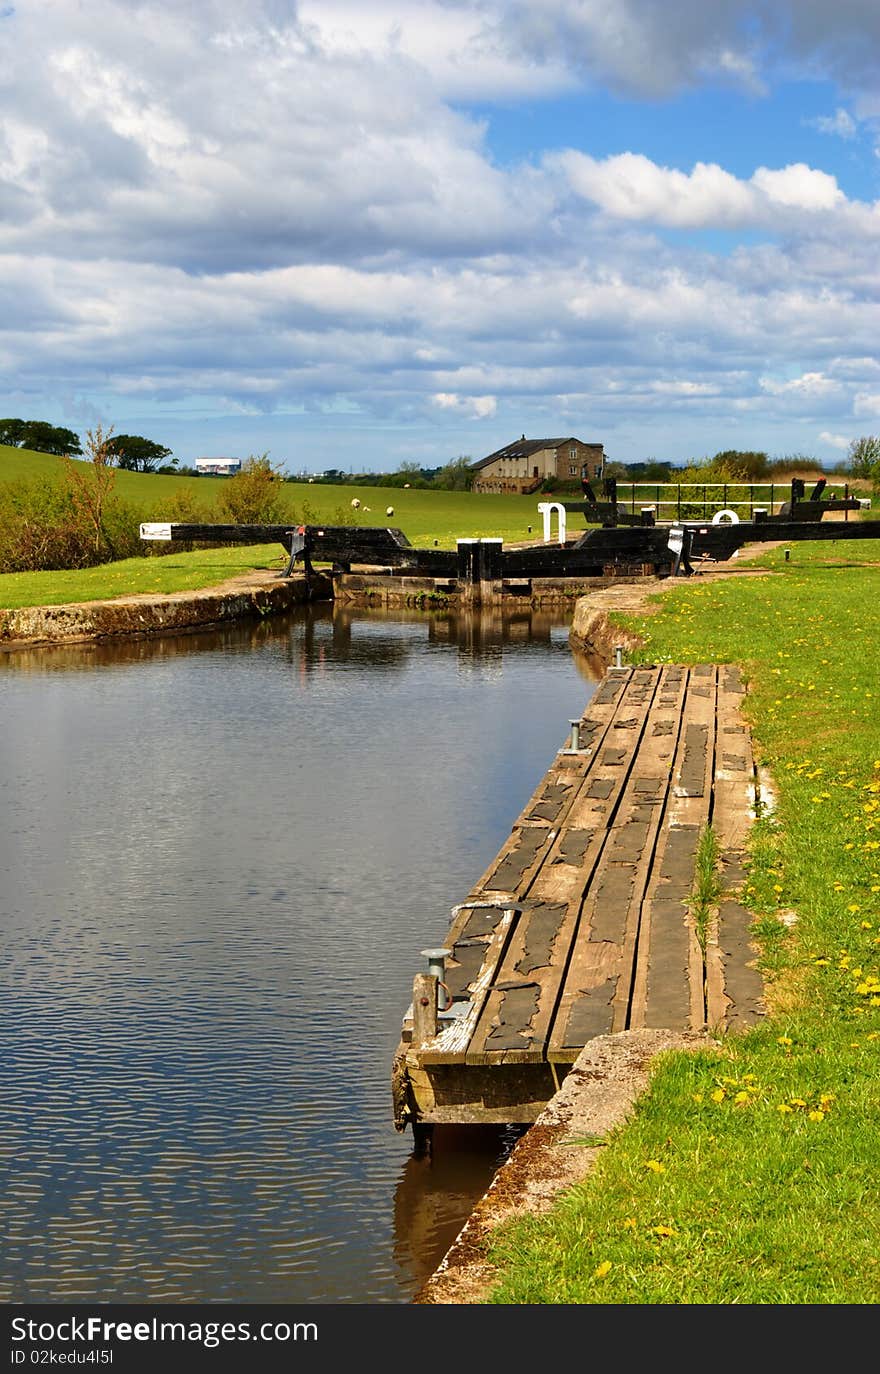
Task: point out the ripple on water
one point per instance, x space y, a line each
219 863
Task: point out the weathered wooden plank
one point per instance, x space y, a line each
596 992
450 1046
692 808
679 758
662 937
519 1008
521 856
734 787
731 981
516 1021
742 983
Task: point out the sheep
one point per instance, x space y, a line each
355 503
390 510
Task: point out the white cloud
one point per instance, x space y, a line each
480 407
630 186
841 123
453 44
196 137
798 187
834 440
681 388
867 403
809 384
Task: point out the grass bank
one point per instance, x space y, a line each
179 572
749 1175
425 517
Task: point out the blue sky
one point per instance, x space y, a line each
360 234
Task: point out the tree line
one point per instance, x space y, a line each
129 451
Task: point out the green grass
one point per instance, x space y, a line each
442 515
748 1175
707 884
425 517
179 572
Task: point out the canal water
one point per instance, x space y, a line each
221 856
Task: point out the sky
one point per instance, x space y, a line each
362 233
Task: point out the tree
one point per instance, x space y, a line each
91 485
40 436
136 454
457 475
863 457
253 495
746 464
12 432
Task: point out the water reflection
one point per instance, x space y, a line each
220 858
318 634
437 1189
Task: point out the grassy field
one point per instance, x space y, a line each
749 1175
425 517
420 514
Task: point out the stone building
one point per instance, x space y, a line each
522 466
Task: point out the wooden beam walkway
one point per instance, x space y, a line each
581 925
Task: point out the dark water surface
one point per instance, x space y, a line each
220 859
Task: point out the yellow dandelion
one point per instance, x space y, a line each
784 1040
718 1095
697 1097
655 1166
629 1221
783 1107
798 1102
741 1097
603 1270
664 1230
817 1115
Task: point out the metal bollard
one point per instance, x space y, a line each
618 655
437 967
787 555
575 744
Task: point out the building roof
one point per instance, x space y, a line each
524 448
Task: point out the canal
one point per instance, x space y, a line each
221 856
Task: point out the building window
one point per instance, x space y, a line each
573 453
572 470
